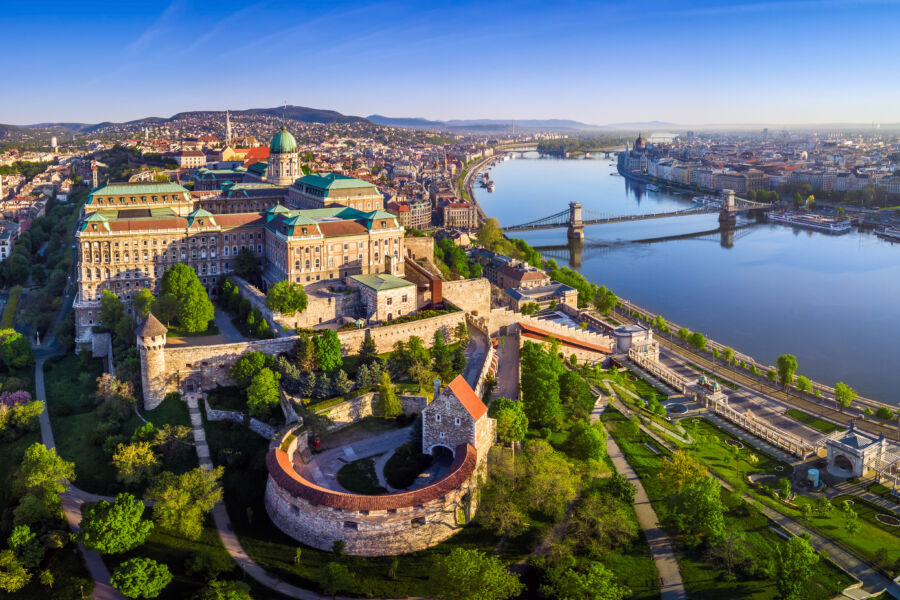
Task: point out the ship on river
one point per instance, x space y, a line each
807 221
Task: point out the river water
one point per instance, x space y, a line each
833 301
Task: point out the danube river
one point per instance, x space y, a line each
833 301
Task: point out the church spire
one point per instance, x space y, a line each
227 128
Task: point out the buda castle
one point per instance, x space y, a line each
301 228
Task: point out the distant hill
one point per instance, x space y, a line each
482 124
8 131
297 113
639 124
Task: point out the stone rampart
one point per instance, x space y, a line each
353 409
214 414
176 367
471 295
369 525
419 247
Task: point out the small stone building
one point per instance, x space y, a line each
385 296
456 416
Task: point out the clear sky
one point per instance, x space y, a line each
600 62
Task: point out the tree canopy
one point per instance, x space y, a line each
141 578
262 393
328 351
113 528
468 574
182 501
844 394
512 423
45 474
15 349
787 366
194 308
286 297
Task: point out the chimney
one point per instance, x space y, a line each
437 387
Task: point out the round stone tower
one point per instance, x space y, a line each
151 342
284 163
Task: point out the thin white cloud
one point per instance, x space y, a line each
219 28
161 25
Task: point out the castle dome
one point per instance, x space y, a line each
639 143
283 142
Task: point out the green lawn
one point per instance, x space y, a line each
70 383
9 311
227 398
359 477
814 422
703 579
405 465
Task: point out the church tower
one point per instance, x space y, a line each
227 129
151 342
284 164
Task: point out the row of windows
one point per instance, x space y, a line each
438 417
134 199
183 241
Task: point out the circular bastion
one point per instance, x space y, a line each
369 525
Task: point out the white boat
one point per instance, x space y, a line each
490 186
652 188
892 234
814 222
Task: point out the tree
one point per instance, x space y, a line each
772 375
45 474
727 354
595 582
868 412
698 509
730 549
195 311
804 384
468 574
512 423
442 358
304 353
794 562
588 441
490 233
683 333
459 360
141 578
681 471
388 402
697 340
368 350
600 523
341 385
540 385
182 501
113 528
287 298
333 578
461 334
165 308
262 393
15 349
13 575
851 521
844 394
143 302
135 463
787 366
111 309
225 590
605 300
116 394
246 265
784 485
328 351
26 545
248 366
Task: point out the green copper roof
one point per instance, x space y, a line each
277 209
259 167
378 214
283 142
380 283
333 181
299 220
139 189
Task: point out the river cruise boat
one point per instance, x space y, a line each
891 234
490 186
652 188
814 222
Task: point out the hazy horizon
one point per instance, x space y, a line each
705 64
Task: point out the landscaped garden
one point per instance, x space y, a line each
813 421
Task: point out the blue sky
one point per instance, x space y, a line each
601 62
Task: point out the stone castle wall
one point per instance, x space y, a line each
352 410
419 247
370 525
169 369
471 295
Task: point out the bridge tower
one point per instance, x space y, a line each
727 216
576 226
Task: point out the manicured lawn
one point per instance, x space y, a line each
245 481
814 422
405 465
359 477
227 398
703 578
70 384
9 311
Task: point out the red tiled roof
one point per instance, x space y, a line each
282 472
260 153
339 228
467 397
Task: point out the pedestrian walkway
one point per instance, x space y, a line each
670 584
750 438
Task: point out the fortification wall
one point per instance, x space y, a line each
471 295
369 525
419 247
172 368
352 410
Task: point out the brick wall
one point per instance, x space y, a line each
471 295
